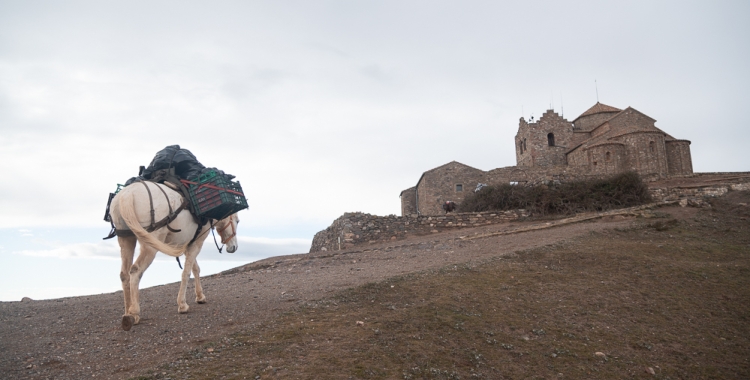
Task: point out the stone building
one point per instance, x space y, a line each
449 182
602 141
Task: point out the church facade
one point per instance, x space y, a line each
602 141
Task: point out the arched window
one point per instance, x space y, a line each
651 146
607 157
524 144
520 146
551 139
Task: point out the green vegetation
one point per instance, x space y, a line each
622 190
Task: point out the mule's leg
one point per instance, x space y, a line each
144 260
191 253
199 296
127 250
182 306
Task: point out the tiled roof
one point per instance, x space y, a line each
413 188
606 136
598 108
444 165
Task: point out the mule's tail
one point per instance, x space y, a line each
127 212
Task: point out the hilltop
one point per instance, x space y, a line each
660 291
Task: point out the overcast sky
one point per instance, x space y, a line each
325 107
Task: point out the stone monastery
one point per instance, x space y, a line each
602 141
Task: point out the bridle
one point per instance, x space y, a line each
222 229
224 240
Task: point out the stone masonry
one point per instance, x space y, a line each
602 141
357 228
449 182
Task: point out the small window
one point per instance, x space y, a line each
607 157
551 139
524 145
459 187
594 163
651 146
520 146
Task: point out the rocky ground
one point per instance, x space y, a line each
81 337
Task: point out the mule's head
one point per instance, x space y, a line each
227 229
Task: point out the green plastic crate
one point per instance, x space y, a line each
205 177
217 197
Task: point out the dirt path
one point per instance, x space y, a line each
80 337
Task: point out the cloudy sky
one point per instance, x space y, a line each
321 107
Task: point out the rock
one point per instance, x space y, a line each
600 355
697 202
650 371
683 202
360 323
26 299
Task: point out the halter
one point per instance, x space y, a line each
221 231
224 240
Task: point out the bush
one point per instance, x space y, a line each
622 190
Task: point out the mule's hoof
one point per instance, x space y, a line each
201 301
183 310
127 322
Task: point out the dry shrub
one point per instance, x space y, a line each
622 190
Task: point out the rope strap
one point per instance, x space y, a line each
210 186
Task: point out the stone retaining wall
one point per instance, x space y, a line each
357 228
686 192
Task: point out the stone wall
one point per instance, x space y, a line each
409 201
449 182
534 137
357 228
533 176
647 154
678 157
692 192
523 157
439 187
606 159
